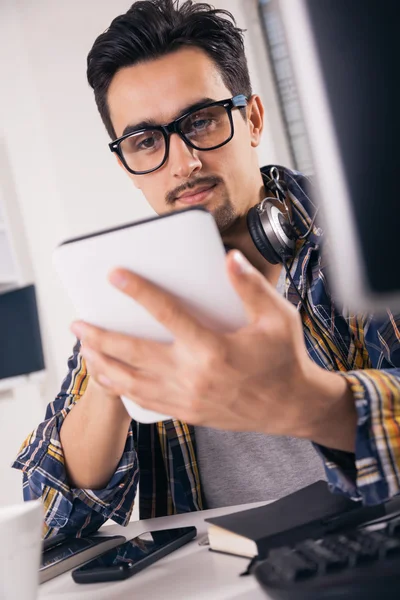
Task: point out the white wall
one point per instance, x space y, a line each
65 178
55 160
274 146
20 411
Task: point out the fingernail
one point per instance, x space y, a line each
118 279
78 329
242 265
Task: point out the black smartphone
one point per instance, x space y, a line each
133 556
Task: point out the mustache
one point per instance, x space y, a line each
211 180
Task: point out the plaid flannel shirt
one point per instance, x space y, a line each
164 454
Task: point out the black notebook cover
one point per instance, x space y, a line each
20 341
309 512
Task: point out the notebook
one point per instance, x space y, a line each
309 512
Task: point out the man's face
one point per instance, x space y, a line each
226 181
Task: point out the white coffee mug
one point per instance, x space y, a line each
20 550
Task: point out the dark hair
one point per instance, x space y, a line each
153 28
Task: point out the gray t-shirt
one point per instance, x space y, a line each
242 467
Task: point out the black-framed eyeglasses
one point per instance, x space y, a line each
205 128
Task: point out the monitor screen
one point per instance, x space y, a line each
344 58
21 349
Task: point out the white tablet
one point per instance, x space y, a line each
181 252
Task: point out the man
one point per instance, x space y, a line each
261 412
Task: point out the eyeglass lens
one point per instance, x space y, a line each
204 129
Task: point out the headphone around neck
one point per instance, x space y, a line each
274 236
271 228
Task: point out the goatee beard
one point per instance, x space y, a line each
225 216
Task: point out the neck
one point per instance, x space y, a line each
238 237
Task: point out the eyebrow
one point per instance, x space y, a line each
131 128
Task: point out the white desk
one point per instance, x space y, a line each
190 573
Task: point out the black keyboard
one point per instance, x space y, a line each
358 564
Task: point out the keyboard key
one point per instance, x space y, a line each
388 546
393 527
391 547
326 558
365 547
357 553
340 545
290 564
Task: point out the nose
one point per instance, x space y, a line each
183 161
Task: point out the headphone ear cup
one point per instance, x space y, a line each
259 238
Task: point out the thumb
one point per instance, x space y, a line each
260 299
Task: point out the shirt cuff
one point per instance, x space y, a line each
45 477
371 474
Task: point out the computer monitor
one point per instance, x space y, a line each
346 64
21 350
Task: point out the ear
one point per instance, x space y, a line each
135 180
255 117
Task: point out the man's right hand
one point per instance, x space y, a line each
93 437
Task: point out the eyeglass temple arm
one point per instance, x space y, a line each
239 101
